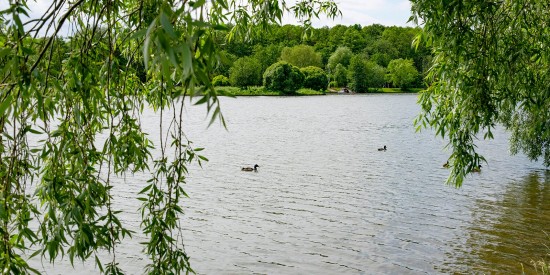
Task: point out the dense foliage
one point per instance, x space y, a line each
71 112
490 66
402 73
315 78
375 75
283 77
221 81
340 75
246 71
341 56
301 56
357 74
333 48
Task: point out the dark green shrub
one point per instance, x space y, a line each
315 78
221 81
283 77
246 71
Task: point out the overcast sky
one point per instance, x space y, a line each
363 12
367 12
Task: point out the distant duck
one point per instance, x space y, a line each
250 169
477 169
446 165
382 149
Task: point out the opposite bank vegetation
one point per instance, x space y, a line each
373 58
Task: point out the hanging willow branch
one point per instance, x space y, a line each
81 93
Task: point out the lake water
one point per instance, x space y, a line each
326 201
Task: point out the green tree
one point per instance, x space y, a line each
267 55
375 75
341 75
315 78
322 44
358 74
283 77
353 39
490 67
401 39
402 73
225 61
86 119
342 55
382 52
301 56
246 71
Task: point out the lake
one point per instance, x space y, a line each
326 201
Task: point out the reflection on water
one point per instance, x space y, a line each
326 201
507 232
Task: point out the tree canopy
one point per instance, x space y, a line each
490 67
402 73
301 56
342 55
246 71
83 98
357 74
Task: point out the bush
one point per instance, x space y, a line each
283 77
333 84
221 81
315 78
246 71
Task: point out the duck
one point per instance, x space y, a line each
477 169
446 164
250 169
382 149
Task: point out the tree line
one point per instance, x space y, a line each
373 56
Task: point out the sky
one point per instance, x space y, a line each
366 12
362 12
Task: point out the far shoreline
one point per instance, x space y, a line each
261 91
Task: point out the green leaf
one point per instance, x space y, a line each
4 52
166 25
148 36
187 59
198 3
145 189
5 104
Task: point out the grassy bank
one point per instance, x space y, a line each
384 90
261 91
398 90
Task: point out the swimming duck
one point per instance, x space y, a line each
382 149
250 169
446 165
477 169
